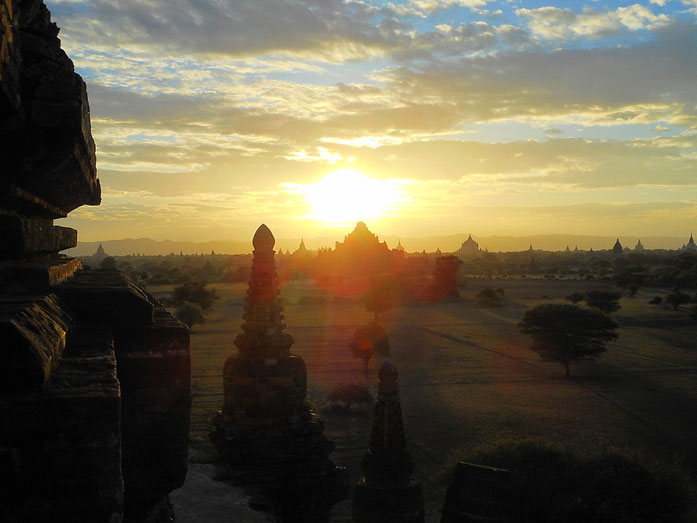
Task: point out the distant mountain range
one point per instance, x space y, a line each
547 242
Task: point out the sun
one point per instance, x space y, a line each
347 196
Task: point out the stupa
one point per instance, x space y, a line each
468 248
386 491
267 433
690 246
617 248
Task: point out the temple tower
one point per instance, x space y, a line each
386 491
267 433
617 248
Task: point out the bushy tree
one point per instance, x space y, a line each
445 277
677 298
489 298
349 393
383 296
566 333
190 314
605 301
369 340
108 263
575 297
194 292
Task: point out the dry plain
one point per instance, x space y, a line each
468 379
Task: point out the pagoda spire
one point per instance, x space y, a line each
266 431
262 331
386 491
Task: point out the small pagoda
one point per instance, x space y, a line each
267 433
617 248
386 492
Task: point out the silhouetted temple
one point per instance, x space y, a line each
468 248
386 491
94 373
360 257
690 246
266 432
617 248
99 255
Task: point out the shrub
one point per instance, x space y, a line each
350 393
575 297
190 314
313 300
194 292
605 301
369 340
549 484
488 298
108 263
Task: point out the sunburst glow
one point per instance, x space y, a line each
347 196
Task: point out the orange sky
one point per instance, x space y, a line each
421 117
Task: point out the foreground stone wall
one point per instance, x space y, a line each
94 373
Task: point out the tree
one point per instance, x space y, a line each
677 298
108 263
565 333
190 314
575 297
369 340
605 301
194 292
489 298
445 277
348 393
383 296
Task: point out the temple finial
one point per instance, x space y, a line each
263 239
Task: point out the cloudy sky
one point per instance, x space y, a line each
422 117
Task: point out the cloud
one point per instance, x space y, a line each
193 98
436 5
324 29
641 84
557 23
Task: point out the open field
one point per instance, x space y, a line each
467 377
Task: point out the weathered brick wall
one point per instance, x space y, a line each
46 145
9 85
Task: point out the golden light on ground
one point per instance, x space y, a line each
348 196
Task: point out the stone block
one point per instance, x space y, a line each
402 503
38 273
154 370
20 202
23 236
33 330
107 297
46 146
9 70
65 439
477 493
